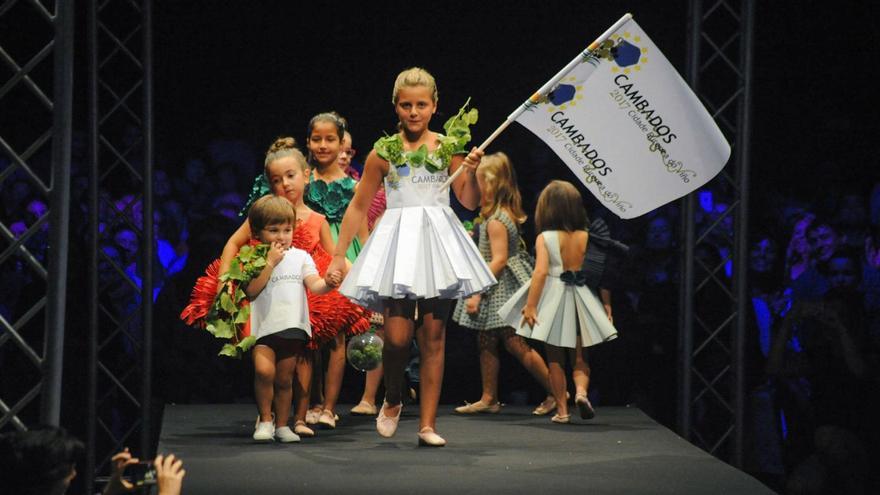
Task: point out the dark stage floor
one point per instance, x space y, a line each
620 451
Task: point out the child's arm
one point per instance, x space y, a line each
273 257
375 168
363 233
605 295
313 281
498 246
328 244
326 238
539 276
318 285
465 185
235 242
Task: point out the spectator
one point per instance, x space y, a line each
797 256
43 462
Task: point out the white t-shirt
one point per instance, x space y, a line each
282 304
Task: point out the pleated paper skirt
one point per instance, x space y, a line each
564 312
416 252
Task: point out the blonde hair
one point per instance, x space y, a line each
282 148
270 210
414 76
560 207
500 179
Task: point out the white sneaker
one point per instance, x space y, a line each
264 432
285 435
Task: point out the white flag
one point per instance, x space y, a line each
628 125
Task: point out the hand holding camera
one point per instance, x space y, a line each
130 474
116 483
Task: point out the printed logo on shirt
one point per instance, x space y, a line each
429 179
286 277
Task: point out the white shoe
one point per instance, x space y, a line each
429 438
264 432
285 435
387 425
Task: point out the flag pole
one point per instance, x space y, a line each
543 91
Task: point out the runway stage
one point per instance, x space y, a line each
619 451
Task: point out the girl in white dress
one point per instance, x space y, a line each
418 255
557 307
280 318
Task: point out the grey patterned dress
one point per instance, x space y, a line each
517 272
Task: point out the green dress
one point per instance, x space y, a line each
331 200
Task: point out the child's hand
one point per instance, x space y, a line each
472 304
473 160
275 254
333 279
338 264
530 316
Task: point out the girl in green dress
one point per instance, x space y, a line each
329 192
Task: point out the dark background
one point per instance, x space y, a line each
261 70
248 72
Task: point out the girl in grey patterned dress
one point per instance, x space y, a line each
502 214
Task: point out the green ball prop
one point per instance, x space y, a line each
364 352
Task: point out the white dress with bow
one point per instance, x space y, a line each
567 307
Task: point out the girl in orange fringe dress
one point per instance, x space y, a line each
286 171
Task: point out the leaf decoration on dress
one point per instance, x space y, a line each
228 314
458 135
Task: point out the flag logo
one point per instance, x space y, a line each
567 94
628 56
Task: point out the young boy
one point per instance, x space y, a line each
280 320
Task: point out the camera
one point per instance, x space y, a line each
141 474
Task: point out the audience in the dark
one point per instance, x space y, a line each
814 310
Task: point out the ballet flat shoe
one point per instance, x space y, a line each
429 438
327 419
478 407
561 419
543 411
387 425
364 409
312 415
302 430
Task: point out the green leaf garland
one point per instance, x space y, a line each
458 135
228 315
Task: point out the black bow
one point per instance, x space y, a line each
574 278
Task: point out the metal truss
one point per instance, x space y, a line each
36 81
714 305
121 287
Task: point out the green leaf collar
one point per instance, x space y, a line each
458 135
